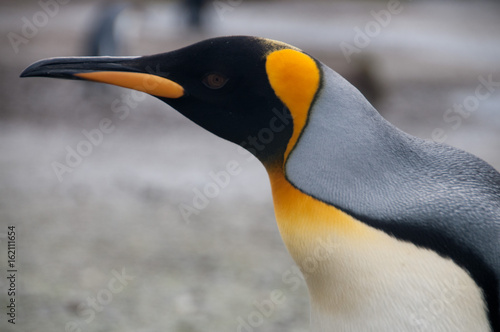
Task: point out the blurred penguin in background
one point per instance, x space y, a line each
194 10
104 39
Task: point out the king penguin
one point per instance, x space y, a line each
391 232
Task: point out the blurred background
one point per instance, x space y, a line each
112 233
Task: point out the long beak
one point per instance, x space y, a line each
120 71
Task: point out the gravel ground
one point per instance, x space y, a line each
105 247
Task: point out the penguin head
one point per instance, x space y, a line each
251 91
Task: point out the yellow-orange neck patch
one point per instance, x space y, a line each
152 84
295 78
302 219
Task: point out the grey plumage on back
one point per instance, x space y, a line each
431 194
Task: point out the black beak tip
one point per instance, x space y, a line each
29 71
55 67
38 69
66 67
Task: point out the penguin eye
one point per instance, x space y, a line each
214 81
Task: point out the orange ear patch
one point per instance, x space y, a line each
294 77
152 84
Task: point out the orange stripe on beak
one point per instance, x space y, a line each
148 83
